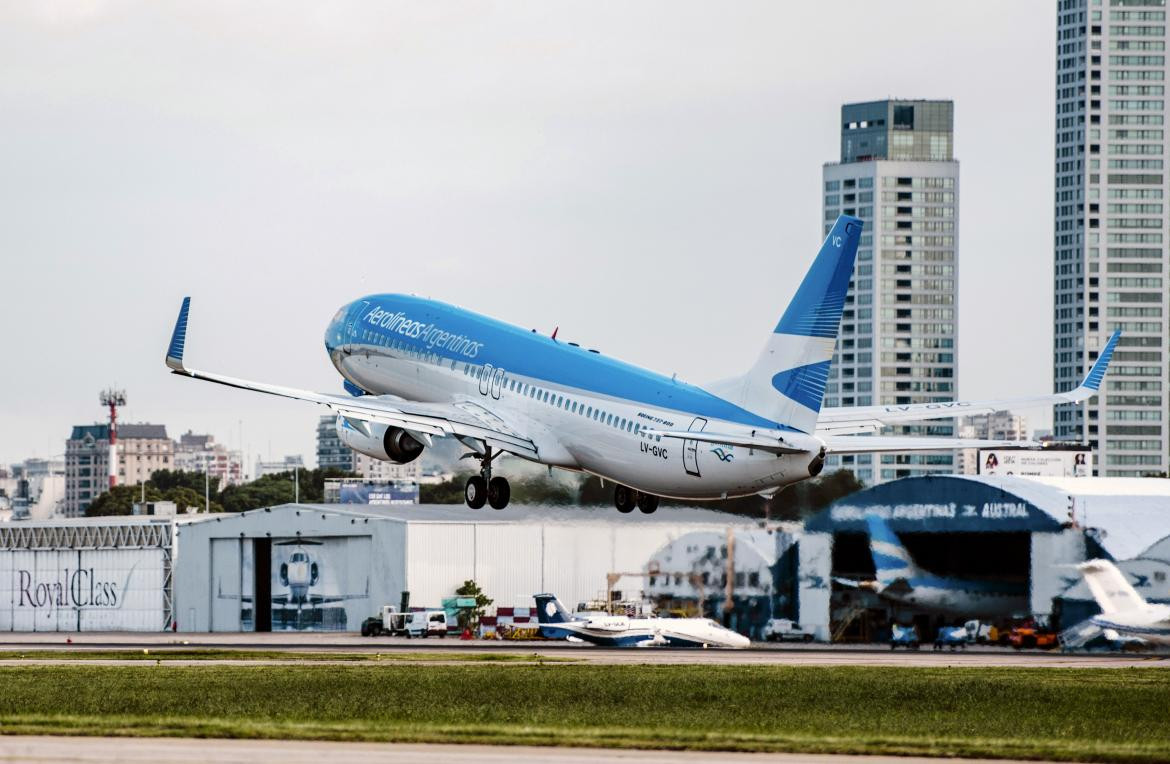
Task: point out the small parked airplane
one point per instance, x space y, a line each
901 581
416 369
623 631
1123 611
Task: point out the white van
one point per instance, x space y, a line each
426 623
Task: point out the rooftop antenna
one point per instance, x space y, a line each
113 399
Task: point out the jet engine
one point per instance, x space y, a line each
390 444
817 464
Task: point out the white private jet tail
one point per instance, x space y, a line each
1110 588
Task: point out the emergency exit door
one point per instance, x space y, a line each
691 448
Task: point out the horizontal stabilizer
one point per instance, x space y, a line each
861 419
867 444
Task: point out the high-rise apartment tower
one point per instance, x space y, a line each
1111 234
897 342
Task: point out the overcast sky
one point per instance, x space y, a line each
645 175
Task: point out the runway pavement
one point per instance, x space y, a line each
13 643
95 750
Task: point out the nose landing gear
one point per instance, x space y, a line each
626 498
483 488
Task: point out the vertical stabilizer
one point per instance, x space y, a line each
1110 587
787 383
891 559
549 610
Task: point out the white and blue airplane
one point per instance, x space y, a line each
622 631
416 369
901 581
1125 614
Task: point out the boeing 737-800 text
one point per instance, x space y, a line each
416 369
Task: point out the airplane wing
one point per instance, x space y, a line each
462 419
860 419
867 444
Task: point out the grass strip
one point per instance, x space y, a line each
180 654
1116 715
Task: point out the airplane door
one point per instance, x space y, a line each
691 448
485 379
497 383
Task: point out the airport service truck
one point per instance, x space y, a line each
783 629
420 623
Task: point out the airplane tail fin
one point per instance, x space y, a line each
1110 587
549 610
891 559
787 383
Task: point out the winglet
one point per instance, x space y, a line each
1093 379
179 338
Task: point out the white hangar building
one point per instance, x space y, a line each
329 566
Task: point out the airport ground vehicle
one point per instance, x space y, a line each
426 623
903 636
979 632
1032 636
952 637
782 629
392 623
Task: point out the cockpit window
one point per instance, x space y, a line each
299 557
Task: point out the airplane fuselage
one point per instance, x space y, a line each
622 631
1151 624
582 410
961 597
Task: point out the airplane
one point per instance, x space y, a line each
300 572
415 369
622 631
902 582
1124 612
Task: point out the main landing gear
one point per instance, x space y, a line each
483 488
626 498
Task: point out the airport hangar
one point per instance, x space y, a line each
1025 529
362 557
328 567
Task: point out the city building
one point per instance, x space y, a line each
142 449
998 425
331 452
200 453
35 488
287 464
1110 238
897 343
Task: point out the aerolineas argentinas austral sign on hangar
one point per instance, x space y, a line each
82 590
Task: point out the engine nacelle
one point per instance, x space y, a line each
390 444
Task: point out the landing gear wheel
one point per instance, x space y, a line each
624 498
498 492
476 492
647 503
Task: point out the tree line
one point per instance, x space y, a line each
186 489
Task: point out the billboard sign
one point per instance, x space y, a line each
1034 463
82 590
305 584
379 492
